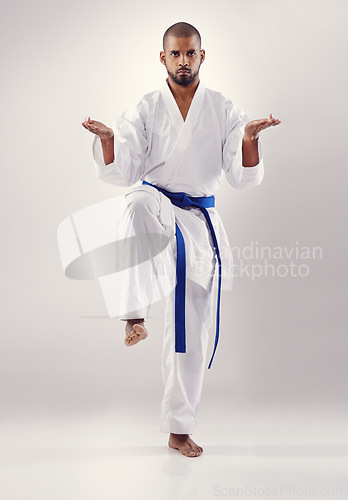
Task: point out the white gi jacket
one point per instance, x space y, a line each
154 143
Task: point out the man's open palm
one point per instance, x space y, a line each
98 128
253 128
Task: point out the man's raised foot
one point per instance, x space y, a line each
135 331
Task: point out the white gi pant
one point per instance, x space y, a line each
182 372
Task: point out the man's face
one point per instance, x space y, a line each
182 57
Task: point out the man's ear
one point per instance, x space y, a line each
163 57
202 55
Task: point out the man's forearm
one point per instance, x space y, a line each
250 152
108 150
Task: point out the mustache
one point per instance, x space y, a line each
184 69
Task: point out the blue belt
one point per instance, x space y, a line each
203 202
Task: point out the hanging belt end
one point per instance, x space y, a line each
180 349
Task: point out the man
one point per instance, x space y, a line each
180 139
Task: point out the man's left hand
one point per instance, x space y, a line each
253 128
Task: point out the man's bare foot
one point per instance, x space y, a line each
184 444
135 331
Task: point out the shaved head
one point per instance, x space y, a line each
181 30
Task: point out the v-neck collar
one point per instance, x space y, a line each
173 107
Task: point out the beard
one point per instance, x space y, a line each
181 79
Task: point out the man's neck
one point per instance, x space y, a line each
182 93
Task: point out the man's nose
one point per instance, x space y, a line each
183 60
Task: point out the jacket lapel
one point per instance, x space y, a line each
183 128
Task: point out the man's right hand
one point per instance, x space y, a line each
106 135
98 128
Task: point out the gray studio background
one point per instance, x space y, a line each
283 338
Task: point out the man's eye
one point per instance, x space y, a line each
175 54
192 53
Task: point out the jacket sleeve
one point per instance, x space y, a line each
130 145
238 176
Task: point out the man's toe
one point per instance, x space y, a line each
130 337
190 453
198 450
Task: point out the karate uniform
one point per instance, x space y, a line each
154 144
